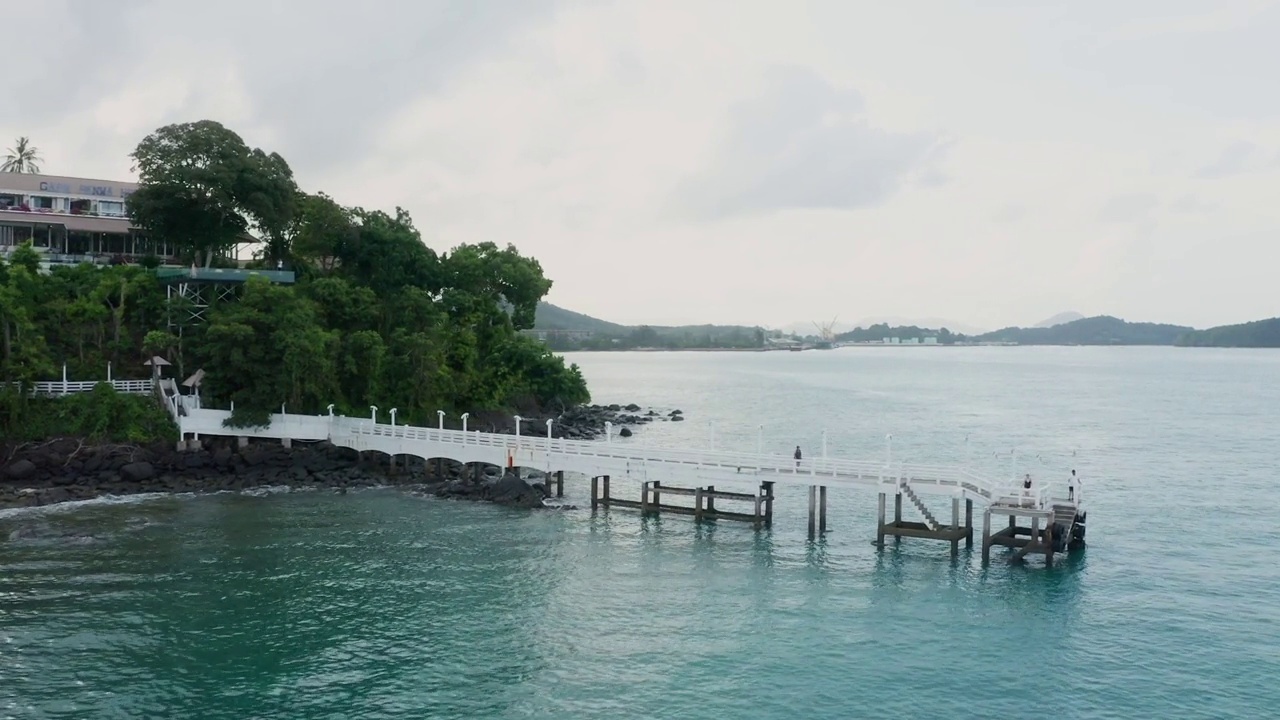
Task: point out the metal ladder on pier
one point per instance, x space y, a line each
1064 516
929 519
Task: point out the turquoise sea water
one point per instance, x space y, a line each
381 605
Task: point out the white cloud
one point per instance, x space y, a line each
992 164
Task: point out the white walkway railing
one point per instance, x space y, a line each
600 457
58 388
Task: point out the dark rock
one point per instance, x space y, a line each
632 408
677 418
138 471
511 490
21 470
625 432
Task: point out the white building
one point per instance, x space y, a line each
71 219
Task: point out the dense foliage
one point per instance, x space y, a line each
1256 334
100 415
375 318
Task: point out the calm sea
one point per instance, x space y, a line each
380 605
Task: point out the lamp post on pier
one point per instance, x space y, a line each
440 419
518 419
464 421
393 417
549 422
374 409
608 431
330 409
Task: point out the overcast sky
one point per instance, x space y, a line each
989 162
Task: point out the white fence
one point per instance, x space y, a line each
59 388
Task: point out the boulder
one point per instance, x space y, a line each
21 470
511 490
138 471
624 432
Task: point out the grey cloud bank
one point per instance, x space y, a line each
735 162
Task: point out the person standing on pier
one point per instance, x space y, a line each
797 457
1071 486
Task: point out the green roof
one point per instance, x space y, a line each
222 275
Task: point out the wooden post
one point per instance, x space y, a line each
657 498
559 483
986 535
880 519
768 502
822 510
813 510
968 522
897 508
595 492
711 501
955 525
1048 545
605 488
1035 533
697 504
759 502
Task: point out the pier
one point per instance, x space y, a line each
1040 521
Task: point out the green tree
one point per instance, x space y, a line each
23 157
202 189
321 231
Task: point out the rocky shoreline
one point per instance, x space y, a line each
63 470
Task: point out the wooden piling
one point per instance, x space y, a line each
880 519
767 488
968 522
595 492
559 484
813 510
986 535
822 510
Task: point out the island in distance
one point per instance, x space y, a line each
565 330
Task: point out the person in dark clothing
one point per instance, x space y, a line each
797 457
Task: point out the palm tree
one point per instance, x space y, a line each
22 158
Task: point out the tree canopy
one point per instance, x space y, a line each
375 318
203 189
23 157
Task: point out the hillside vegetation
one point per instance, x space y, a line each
613 336
375 317
1100 330
1256 334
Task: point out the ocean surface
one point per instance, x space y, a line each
382 605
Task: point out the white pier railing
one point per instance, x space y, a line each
601 457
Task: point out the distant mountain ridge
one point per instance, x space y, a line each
1256 334
1061 318
1100 330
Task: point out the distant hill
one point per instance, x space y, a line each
552 317
927 322
1256 334
1101 330
1059 319
606 335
